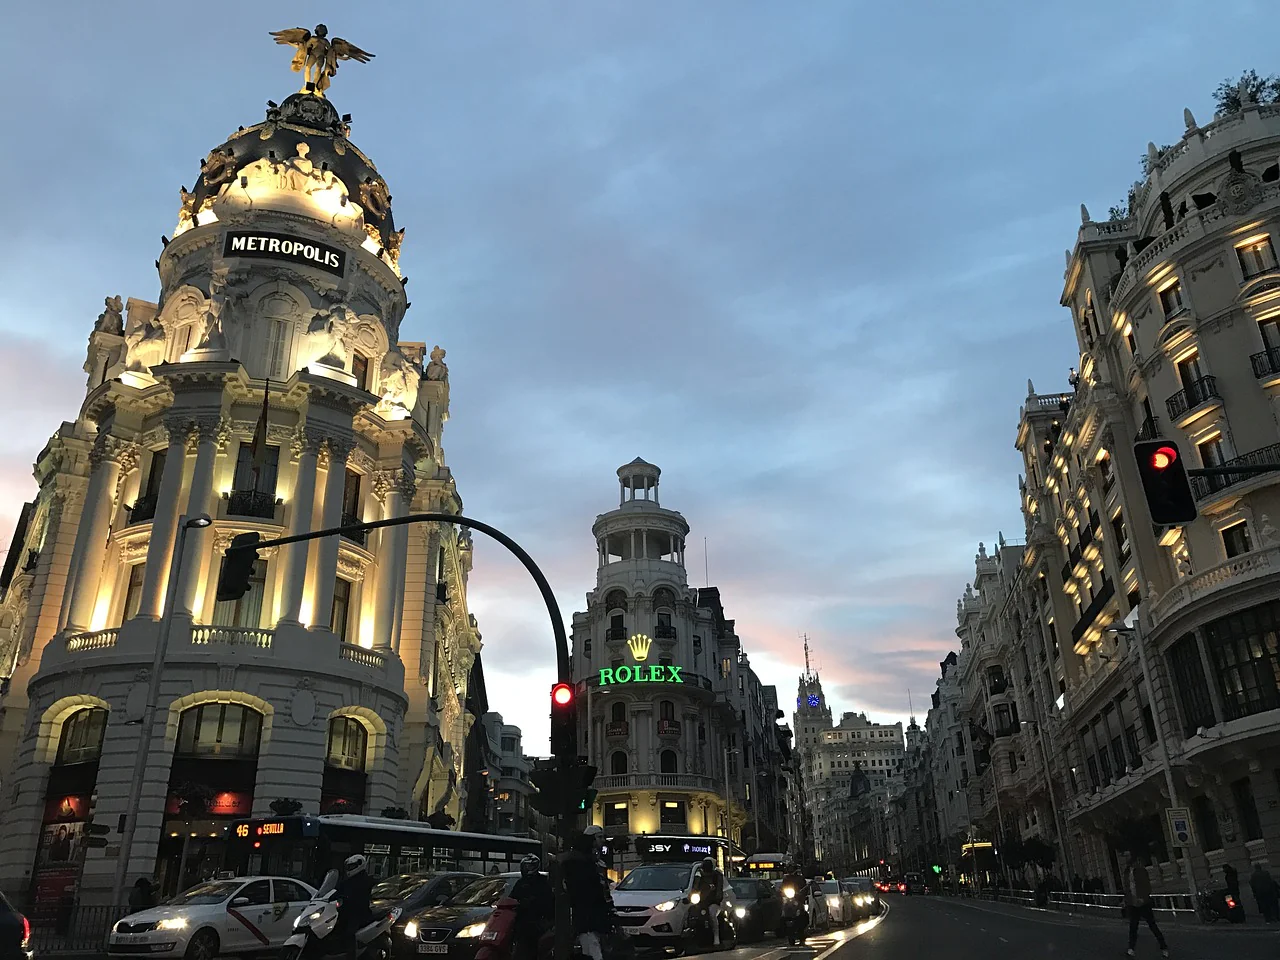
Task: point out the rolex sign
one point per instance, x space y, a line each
280 246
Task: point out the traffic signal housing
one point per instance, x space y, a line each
1165 482
550 798
581 794
97 835
564 720
237 566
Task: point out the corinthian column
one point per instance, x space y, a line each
408 488
160 547
209 431
306 447
395 489
327 556
95 520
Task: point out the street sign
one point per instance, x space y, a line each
1180 825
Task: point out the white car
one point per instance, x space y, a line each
244 915
652 902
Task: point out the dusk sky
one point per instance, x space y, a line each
803 256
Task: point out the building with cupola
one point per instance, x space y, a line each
684 736
267 388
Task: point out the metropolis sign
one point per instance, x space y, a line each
280 246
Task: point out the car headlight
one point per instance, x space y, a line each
739 912
833 901
789 892
666 905
172 923
471 930
411 930
695 897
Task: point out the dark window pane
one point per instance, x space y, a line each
1193 691
1243 650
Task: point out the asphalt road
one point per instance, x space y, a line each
949 929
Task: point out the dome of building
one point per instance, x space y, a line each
298 160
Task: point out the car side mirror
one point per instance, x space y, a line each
240 902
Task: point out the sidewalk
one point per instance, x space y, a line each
1253 926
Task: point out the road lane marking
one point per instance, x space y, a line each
865 927
1003 940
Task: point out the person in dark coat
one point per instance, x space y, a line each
1266 892
142 896
535 908
592 918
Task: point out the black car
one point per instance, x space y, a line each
15 933
757 906
453 928
412 892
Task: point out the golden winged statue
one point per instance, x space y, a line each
317 57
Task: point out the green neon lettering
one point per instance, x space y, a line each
655 673
606 676
623 673
675 675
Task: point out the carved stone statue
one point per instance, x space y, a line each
317 56
325 341
437 369
111 320
399 381
226 291
146 345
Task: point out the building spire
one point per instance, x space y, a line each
911 707
808 671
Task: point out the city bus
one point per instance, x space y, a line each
764 866
306 847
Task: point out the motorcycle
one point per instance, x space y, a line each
795 915
1220 905
312 935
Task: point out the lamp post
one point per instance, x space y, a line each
185 523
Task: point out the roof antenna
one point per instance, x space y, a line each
911 707
807 672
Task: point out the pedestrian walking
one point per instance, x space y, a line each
1137 903
1266 892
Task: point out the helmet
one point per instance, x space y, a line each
594 831
708 862
530 865
353 865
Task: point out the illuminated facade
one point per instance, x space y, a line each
684 736
340 680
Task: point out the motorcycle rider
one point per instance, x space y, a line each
709 885
355 902
535 907
592 916
794 880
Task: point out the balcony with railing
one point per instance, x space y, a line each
617 729
1095 607
355 536
1266 363
615 633
251 503
1237 570
1149 430
143 509
1195 394
668 728
642 781
664 631
1205 487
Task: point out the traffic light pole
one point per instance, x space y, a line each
564 762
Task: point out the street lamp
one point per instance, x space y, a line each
185 523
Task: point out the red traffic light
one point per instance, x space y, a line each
1163 458
562 694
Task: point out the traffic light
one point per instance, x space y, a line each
237 566
97 835
564 721
549 800
1165 482
581 794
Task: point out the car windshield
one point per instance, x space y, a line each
668 876
744 887
397 888
481 893
830 886
207 893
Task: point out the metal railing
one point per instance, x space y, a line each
355 536
626 781
615 633
231 637
143 509
98 640
1192 395
72 929
1094 608
664 631
1266 363
668 728
617 728
1149 430
251 503
1203 487
1172 905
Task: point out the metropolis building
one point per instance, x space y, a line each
682 733
267 388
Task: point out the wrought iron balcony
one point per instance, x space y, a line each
1149 430
615 633
355 536
1204 487
1266 363
143 509
664 631
617 728
1192 395
251 503
668 728
1091 612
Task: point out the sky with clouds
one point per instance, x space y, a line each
802 256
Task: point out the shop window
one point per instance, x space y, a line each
81 739
616 814
228 730
618 762
348 744
673 814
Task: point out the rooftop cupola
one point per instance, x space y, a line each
641 532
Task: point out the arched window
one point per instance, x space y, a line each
277 312
81 739
229 730
618 762
667 762
348 744
666 710
618 712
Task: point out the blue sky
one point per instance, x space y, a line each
802 256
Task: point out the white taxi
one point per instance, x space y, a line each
244 915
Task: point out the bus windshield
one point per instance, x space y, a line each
666 876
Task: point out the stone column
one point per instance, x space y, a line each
306 447
408 488
160 548
95 520
209 430
327 550
389 486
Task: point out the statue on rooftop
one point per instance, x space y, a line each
317 56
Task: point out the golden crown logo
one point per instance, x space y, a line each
639 646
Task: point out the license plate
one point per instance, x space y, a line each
433 948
